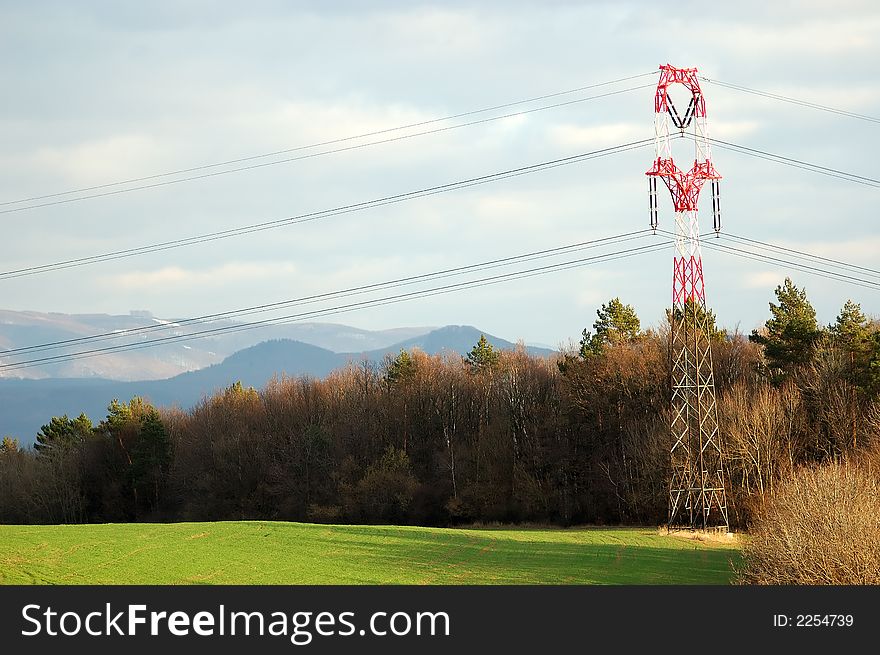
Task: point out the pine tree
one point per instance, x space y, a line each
616 323
151 456
852 332
400 369
851 328
701 317
61 432
9 445
790 334
482 357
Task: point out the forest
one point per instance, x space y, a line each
497 436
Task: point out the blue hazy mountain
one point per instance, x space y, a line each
25 405
23 329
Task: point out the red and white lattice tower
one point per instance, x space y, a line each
697 497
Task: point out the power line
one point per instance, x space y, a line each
239 169
449 288
800 266
824 273
413 279
275 153
248 229
797 163
771 246
393 199
468 284
318 215
795 101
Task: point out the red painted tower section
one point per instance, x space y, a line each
697 496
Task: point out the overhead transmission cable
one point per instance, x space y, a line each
154 181
799 266
448 288
321 214
795 101
468 284
387 200
813 264
796 163
801 253
267 307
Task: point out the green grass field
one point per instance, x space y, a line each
255 552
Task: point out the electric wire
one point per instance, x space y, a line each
801 266
795 101
321 214
796 163
520 274
248 229
449 288
353 137
805 268
266 307
794 251
200 176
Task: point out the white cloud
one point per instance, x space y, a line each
732 129
864 251
834 37
247 82
306 122
101 160
181 279
763 280
596 136
440 31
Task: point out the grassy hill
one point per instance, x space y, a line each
255 552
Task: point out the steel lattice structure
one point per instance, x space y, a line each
697 497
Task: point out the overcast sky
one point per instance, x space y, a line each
99 92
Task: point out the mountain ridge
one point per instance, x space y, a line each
21 329
28 404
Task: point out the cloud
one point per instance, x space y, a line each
577 136
763 280
111 158
187 92
178 278
856 251
843 36
438 31
305 122
733 129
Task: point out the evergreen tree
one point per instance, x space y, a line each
852 332
61 432
616 323
151 456
132 465
851 328
9 445
400 369
790 333
872 370
702 317
482 357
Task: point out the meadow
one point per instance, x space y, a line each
261 552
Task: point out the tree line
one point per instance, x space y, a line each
496 436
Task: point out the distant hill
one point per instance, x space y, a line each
253 366
25 405
453 338
19 329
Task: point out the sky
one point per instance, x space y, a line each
99 92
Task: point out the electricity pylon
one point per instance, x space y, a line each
697 497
